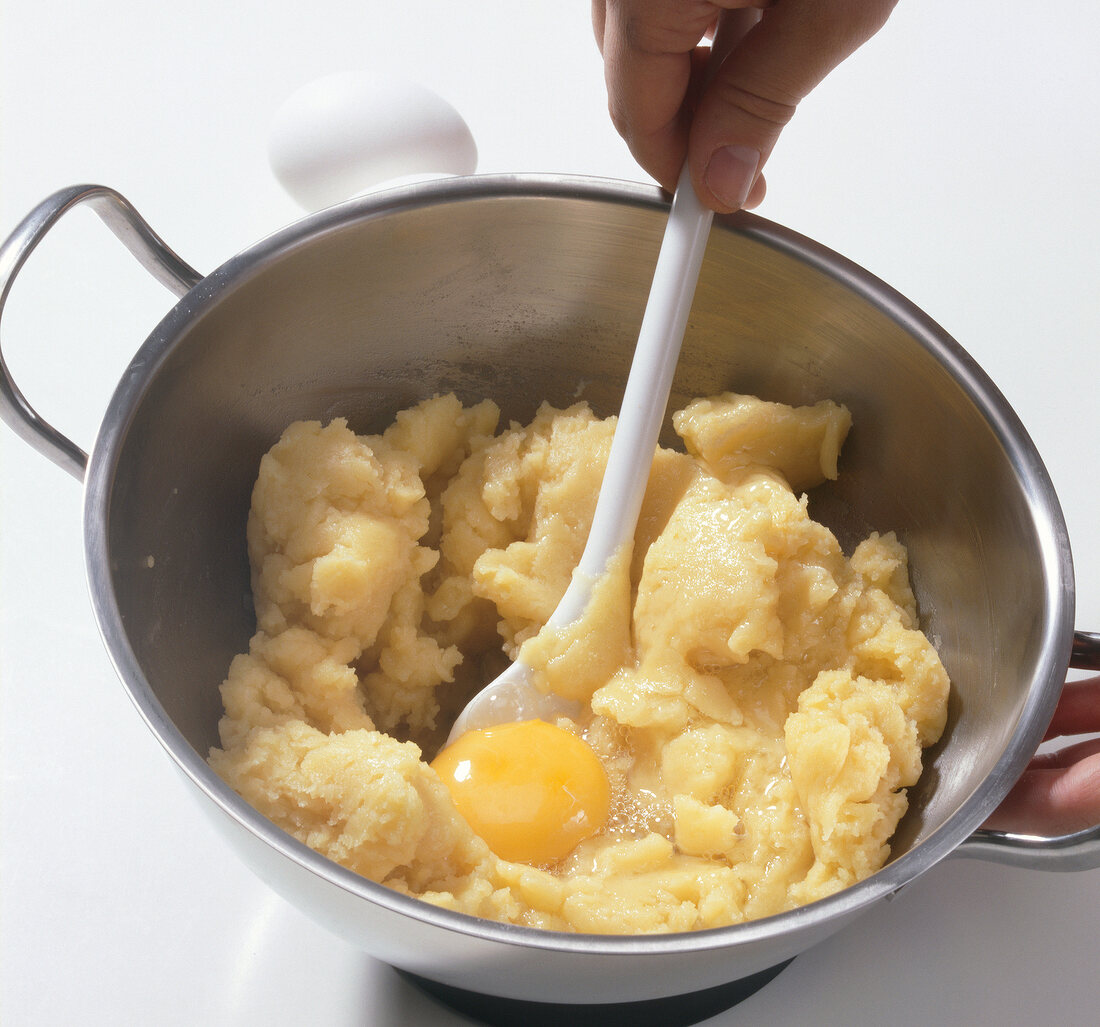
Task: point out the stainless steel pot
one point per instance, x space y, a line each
524 289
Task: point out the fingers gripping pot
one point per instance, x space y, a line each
527 289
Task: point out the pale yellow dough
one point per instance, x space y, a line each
759 700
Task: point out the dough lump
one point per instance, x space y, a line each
758 699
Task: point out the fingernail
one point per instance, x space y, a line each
730 174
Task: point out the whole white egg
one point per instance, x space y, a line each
349 132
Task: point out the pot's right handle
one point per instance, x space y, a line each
1077 851
117 213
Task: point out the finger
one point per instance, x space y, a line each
1066 756
599 17
1050 802
756 91
756 194
649 65
1078 710
647 49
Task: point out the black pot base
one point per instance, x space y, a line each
670 1011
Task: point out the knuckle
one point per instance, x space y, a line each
660 30
646 37
776 113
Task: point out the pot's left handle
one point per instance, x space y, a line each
151 252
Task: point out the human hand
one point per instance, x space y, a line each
1059 792
728 127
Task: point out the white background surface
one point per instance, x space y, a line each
956 157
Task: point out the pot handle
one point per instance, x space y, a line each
134 232
1077 851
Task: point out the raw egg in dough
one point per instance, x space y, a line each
532 790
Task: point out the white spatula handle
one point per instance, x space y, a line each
655 357
646 397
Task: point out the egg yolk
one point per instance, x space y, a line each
531 790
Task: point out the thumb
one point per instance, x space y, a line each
754 94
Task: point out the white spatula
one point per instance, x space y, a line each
513 696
